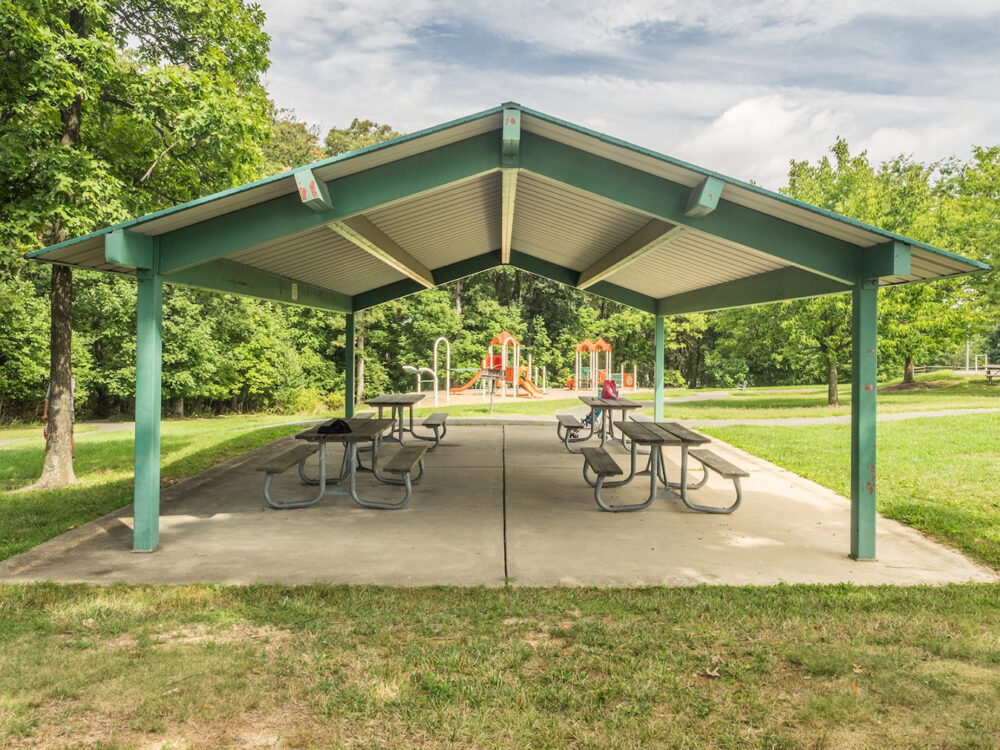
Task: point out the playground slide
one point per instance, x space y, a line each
472 381
529 387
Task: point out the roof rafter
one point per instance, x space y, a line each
509 162
443 275
568 276
378 244
648 238
664 199
236 278
352 194
782 284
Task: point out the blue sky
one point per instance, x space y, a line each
737 87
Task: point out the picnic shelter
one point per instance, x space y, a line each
507 186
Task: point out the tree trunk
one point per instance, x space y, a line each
908 369
832 397
57 468
359 321
458 298
178 411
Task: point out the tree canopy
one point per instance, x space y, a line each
112 109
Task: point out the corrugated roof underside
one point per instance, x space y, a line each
692 261
86 254
211 209
689 177
927 265
320 257
446 225
565 226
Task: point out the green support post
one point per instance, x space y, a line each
148 362
658 372
864 370
349 365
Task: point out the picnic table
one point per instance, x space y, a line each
607 407
656 435
397 402
358 430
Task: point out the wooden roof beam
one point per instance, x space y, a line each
374 241
653 235
510 160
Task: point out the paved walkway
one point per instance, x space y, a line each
501 503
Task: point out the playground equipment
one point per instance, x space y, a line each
590 376
508 361
419 372
447 369
432 372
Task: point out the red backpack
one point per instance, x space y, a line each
610 389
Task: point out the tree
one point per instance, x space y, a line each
905 197
359 134
292 143
113 108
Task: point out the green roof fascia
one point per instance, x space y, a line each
442 275
236 278
657 196
568 276
267 180
772 286
351 194
750 186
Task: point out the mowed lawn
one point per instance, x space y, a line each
320 666
340 666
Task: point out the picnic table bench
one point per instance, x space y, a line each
656 435
396 403
992 371
569 425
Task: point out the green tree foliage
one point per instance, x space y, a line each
291 144
908 198
108 110
359 134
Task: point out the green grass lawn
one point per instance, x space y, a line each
322 666
948 392
103 468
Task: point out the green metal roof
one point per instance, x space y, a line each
509 185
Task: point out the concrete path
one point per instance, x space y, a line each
501 503
845 419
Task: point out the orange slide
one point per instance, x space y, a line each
472 381
529 387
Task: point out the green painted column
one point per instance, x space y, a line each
658 371
864 371
148 361
350 367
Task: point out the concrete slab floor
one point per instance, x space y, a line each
501 502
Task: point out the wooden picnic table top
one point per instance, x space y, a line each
647 433
609 403
660 433
361 429
688 436
396 399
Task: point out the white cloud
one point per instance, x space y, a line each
733 86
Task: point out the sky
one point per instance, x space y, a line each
740 88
